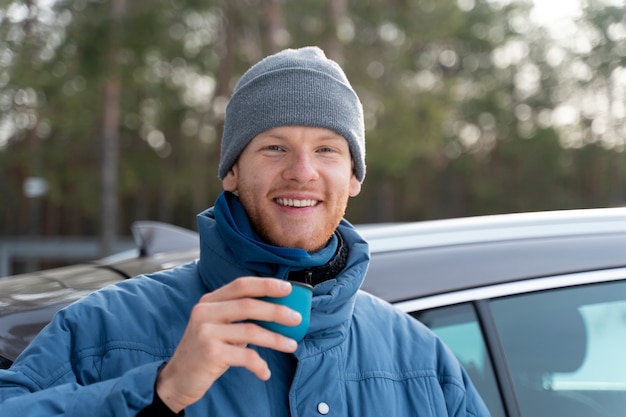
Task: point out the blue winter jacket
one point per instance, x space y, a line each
361 357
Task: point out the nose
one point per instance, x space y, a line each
301 168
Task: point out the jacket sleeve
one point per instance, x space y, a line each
474 404
124 396
462 398
67 370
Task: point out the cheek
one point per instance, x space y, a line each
238 179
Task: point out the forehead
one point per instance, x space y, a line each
301 133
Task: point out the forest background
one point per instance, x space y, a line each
111 110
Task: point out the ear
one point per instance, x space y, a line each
229 183
355 186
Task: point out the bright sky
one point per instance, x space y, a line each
557 16
548 11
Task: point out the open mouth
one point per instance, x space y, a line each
289 202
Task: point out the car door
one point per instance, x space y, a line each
544 353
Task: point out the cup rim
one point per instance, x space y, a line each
301 284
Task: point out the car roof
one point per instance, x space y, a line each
420 259
409 260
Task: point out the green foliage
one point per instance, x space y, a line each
461 102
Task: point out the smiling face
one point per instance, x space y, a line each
294 183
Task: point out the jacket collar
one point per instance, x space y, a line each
333 299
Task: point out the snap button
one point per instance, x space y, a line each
323 408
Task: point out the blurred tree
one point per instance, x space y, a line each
110 133
470 107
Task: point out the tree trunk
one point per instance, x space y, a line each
110 135
338 15
274 24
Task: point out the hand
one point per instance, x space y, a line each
217 336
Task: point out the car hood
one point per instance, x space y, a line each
28 301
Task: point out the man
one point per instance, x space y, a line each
184 341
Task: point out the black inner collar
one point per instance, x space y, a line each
317 274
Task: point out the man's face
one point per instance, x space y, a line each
294 183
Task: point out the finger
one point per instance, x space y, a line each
227 345
245 309
223 355
185 379
252 361
242 334
252 287
207 351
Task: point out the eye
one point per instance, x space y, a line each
327 149
274 148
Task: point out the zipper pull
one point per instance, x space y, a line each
308 277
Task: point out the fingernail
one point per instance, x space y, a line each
284 285
294 315
291 344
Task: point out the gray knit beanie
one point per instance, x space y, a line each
295 87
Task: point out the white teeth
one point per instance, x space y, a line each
296 203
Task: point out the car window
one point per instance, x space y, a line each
565 349
458 327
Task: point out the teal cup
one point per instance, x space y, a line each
299 299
